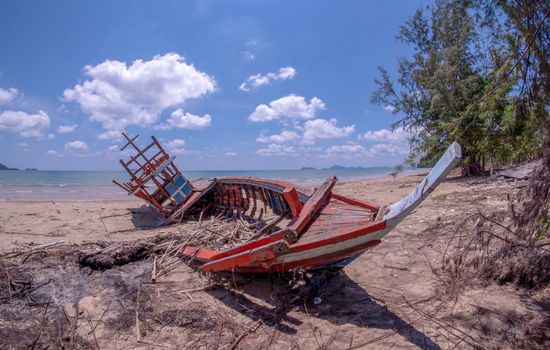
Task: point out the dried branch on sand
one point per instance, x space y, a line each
486 249
214 232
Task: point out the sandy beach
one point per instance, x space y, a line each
82 221
390 297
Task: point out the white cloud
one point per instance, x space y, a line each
8 95
306 129
27 125
51 152
395 143
230 154
324 129
175 143
248 55
389 108
64 129
274 149
110 135
76 146
185 120
257 80
382 149
114 150
285 73
118 95
350 149
23 145
397 135
176 146
284 136
291 106
388 149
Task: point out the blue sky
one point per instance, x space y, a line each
224 85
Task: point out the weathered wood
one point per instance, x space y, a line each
291 196
154 271
130 141
247 194
286 234
191 200
120 254
363 204
263 256
312 206
268 227
265 199
331 228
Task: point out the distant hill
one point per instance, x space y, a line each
3 167
341 167
338 167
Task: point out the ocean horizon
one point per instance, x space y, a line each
17 185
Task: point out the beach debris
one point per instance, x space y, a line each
217 232
154 177
17 282
519 172
120 253
14 282
488 247
32 248
251 224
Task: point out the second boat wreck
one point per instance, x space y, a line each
287 227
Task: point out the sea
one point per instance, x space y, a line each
20 185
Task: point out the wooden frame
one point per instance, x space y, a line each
321 227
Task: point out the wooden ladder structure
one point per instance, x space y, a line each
154 177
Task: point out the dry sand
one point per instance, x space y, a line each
387 298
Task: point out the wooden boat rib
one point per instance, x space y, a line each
309 229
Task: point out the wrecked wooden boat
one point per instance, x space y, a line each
296 228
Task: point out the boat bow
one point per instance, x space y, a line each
398 211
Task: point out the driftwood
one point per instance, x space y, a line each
520 172
33 248
120 254
222 231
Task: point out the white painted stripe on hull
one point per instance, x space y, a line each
332 248
397 212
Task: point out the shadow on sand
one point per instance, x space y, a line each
269 298
146 217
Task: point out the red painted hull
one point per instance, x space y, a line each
321 227
324 227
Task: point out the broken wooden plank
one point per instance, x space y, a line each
263 256
312 206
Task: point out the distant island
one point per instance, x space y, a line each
341 167
338 167
3 167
